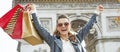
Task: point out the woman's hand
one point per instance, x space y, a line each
30 8
99 9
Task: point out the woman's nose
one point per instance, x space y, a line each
63 25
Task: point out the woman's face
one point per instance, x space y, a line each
63 26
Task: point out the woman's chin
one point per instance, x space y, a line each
64 33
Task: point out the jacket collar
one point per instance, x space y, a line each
58 42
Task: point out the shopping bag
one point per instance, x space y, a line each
29 33
11 22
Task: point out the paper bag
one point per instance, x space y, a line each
29 33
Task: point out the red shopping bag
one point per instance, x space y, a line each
18 25
11 22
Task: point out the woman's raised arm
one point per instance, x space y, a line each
85 30
42 31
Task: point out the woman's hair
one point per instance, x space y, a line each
62 16
57 33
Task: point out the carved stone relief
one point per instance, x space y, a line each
46 23
78 6
113 23
117 20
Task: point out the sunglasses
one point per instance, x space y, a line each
61 24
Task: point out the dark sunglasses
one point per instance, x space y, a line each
61 24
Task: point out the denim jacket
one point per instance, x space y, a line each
54 42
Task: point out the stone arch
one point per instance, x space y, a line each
84 18
75 25
75 19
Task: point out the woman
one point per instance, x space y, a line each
63 40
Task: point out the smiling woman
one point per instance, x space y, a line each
7 44
63 40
